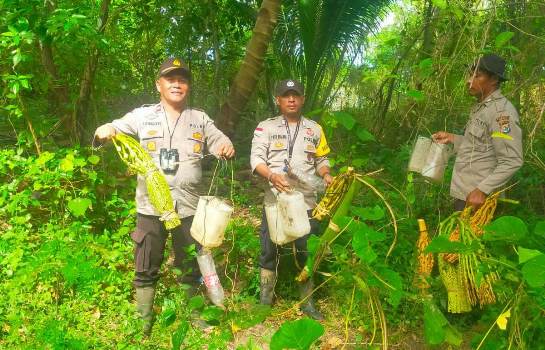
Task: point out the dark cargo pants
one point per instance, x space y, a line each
150 239
269 250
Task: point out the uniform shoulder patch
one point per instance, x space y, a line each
504 123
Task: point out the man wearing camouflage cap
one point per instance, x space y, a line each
490 151
175 135
289 140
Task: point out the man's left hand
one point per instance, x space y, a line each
328 179
475 199
226 151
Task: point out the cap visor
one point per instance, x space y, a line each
171 69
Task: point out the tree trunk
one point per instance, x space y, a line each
248 74
82 123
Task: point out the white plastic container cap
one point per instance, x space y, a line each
210 221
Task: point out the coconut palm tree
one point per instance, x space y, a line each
315 38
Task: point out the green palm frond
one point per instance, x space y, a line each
314 36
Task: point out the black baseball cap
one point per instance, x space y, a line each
172 64
491 63
289 85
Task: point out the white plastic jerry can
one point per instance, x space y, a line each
274 223
419 154
293 214
436 162
210 221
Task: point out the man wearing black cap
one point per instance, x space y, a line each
280 144
174 134
490 151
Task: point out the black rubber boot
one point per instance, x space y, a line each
144 305
307 307
266 286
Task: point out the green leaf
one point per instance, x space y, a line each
93 159
539 229
78 206
362 247
527 254
44 158
505 228
364 135
417 95
196 302
299 334
345 119
179 335
394 280
211 313
66 164
442 4
368 213
503 38
249 317
434 321
167 317
534 271
441 244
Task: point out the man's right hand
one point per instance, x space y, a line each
104 132
280 182
443 137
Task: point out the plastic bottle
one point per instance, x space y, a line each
210 277
307 180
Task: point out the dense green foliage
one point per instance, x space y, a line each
66 211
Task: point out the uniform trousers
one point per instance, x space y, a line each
150 239
269 250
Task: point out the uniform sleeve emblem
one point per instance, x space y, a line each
503 122
258 131
310 132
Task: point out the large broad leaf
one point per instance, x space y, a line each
364 135
395 285
368 213
442 4
179 335
441 244
539 229
527 254
249 317
534 271
345 119
503 38
299 334
505 228
362 248
434 321
78 206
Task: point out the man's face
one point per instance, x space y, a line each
173 87
290 104
480 83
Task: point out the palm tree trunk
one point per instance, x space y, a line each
248 74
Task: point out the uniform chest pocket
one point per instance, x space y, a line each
477 133
151 138
195 142
151 132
